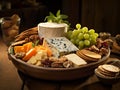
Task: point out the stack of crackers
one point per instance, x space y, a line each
108 70
88 55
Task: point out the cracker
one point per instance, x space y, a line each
91 54
111 68
80 54
105 73
108 70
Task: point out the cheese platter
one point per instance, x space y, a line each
74 67
55 53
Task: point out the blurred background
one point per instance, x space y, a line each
102 15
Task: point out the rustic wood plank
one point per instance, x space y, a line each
101 15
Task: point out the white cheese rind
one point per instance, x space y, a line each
61 45
48 30
76 60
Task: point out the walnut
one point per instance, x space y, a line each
104 35
103 51
46 62
68 64
63 59
94 48
53 59
99 43
57 64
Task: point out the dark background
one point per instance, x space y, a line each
102 15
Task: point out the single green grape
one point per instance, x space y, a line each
93 39
91 31
96 35
84 29
78 26
75 32
80 36
79 31
77 42
93 42
86 36
87 42
81 44
72 36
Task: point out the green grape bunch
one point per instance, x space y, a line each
82 37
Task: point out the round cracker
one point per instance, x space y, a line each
91 54
80 54
106 73
111 68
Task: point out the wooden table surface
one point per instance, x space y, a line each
10 79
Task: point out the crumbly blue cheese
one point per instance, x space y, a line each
60 45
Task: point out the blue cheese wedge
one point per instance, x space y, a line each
77 61
60 46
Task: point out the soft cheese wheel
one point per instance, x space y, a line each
76 60
48 30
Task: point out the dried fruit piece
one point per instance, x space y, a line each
29 54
